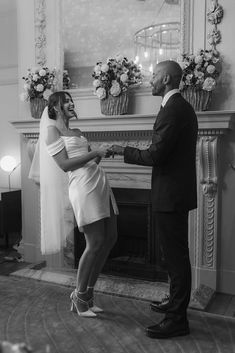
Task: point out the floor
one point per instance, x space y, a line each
222 304
37 313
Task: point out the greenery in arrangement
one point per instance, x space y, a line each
201 70
39 82
115 76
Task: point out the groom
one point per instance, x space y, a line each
172 155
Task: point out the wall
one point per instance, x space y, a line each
9 138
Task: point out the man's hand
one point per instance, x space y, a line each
116 149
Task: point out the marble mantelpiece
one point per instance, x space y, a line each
136 130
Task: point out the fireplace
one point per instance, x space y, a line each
136 252
204 226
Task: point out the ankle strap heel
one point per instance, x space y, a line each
80 306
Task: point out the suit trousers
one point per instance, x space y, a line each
172 229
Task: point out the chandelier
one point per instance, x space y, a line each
156 43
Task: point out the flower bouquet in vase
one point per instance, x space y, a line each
111 82
39 84
199 77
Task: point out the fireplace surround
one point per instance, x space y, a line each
136 130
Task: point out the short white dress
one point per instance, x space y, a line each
89 191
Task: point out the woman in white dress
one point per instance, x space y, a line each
91 197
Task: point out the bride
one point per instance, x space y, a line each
89 192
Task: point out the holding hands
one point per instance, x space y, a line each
117 149
105 151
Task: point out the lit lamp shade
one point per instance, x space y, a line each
8 163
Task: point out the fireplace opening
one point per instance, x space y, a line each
137 252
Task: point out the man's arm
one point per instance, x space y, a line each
165 135
133 155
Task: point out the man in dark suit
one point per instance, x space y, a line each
172 154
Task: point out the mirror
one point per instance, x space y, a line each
94 30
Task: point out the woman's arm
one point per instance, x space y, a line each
96 159
70 164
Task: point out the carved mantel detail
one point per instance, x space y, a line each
209 181
40 35
208 162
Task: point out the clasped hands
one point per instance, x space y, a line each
113 150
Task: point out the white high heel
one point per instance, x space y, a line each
93 307
74 305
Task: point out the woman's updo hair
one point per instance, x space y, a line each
55 99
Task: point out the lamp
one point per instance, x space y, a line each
160 40
9 164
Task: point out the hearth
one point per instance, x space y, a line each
137 253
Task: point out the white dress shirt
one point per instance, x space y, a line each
168 95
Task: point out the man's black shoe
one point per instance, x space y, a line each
160 307
168 328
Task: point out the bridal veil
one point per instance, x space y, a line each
57 218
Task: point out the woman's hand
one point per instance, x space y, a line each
103 152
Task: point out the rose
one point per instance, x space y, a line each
115 89
40 88
104 68
199 75
96 83
184 65
189 78
42 72
101 93
198 59
97 69
124 78
209 84
210 69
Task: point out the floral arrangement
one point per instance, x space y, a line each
200 70
39 82
115 76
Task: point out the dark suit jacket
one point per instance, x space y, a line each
172 154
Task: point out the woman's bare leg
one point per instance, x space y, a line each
109 241
95 237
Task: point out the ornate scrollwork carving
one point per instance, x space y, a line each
214 17
215 13
209 237
208 179
209 189
208 161
40 36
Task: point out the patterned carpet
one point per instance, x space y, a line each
37 313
